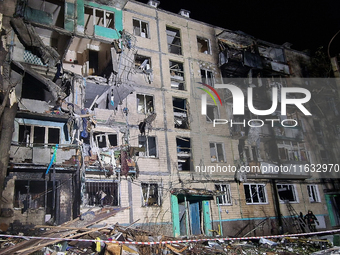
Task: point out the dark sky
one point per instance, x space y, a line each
305 24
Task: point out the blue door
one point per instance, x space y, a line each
195 218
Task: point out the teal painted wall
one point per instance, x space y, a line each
38 16
69 16
206 218
175 215
104 31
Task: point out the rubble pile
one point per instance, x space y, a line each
86 235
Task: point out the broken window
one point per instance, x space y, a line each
287 192
212 113
177 75
203 45
313 193
292 151
147 145
226 198
142 62
104 140
271 53
255 193
30 194
145 104
181 115
183 153
140 28
174 40
251 153
99 193
150 194
217 152
97 17
38 135
207 77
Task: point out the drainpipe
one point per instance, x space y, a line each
277 206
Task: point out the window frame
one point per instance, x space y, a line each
31 135
147 149
177 75
216 152
257 185
176 36
159 190
147 33
184 155
216 115
180 114
115 184
294 192
105 12
207 80
315 189
207 42
152 108
226 198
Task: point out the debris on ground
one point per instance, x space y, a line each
82 236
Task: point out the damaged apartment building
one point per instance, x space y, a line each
109 115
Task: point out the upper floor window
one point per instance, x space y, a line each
212 113
224 199
183 153
255 193
181 114
313 193
98 17
105 140
217 152
203 45
287 192
147 145
38 135
174 40
177 75
207 77
140 28
145 104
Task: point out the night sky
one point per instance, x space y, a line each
304 24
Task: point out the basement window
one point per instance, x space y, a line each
287 192
217 152
29 134
104 140
99 193
174 40
183 153
177 75
207 77
203 45
226 198
148 147
150 194
313 194
181 115
140 28
255 193
212 113
145 104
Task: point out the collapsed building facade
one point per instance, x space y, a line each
109 115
